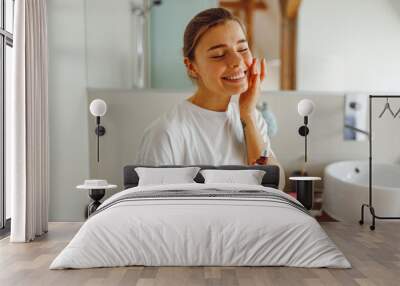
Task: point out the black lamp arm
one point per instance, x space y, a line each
303 131
100 131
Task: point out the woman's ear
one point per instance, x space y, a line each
191 69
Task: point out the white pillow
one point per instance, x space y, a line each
162 176
249 177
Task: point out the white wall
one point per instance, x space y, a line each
69 164
130 112
348 45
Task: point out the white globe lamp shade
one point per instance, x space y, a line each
98 107
305 107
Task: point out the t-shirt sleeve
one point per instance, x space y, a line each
263 127
156 148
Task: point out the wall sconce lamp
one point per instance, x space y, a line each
305 107
98 108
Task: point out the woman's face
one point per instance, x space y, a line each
222 57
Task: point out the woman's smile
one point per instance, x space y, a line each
236 77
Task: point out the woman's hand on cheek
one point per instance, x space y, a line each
248 99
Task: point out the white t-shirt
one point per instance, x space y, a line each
191 135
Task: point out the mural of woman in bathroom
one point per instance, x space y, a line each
212 127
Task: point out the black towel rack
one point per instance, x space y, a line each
369 205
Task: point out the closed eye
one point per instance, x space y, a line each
221 56
217 57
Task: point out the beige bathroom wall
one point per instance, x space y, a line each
129 112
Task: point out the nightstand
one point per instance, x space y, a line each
305 189
97 190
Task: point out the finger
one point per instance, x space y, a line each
251 69
263 69
255 67
250 73
255 80
256 73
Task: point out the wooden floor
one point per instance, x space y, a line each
375 257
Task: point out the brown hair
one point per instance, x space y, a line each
202 22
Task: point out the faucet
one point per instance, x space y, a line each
355 117
356 129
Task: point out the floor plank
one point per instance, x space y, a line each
374 255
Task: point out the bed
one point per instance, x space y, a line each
201 224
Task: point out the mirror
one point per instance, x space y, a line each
117 44
310 45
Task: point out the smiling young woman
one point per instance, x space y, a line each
210 127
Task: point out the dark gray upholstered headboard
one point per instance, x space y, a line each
270 179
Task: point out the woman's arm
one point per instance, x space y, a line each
255 145
253 138
254 141
247 105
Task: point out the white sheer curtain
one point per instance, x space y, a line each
27 128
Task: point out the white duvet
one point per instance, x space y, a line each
200 231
